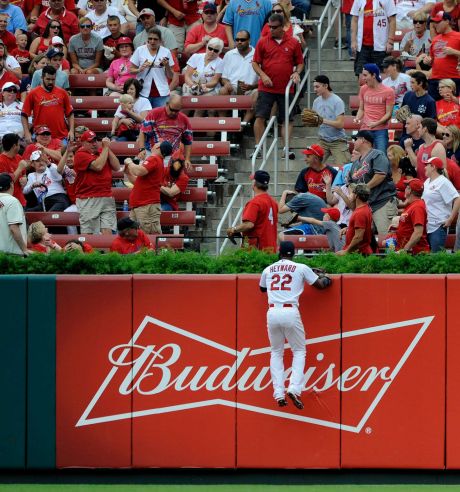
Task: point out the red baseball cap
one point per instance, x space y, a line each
88 136
440 16
314 150
42 129
124 40
435 162
334 213
415 184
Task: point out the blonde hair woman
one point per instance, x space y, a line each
40 239
451 141
447 108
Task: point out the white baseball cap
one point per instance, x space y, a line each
7 85
35 156
57 40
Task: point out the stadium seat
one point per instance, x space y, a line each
351 125
230 103
87 81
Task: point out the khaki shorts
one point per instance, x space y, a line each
96 214
338 150
148 217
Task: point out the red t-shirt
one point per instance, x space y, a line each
314 181
125 247
9 165
455 13
447 113
8 77
55 144
361 218
277 60
9 40
146 189
445 66
23 57
423 154
49 108
181 182
90 183
262 211
346 6
414 214
68 20
401 188
44 4
39 248
368 24
453 172
197 33
188 7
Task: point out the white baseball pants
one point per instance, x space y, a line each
286 324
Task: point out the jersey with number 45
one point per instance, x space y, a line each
285 281
262 211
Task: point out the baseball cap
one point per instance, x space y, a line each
146 12
366 134
435 162
415 185
5 181
261 177
88 136
166 148
209 7
57 40
7 85
441 15
35 156
287 248
54 52
124 40
42 129
373 69
334 213
314 150
323 79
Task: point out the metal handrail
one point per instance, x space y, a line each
288 108
262 146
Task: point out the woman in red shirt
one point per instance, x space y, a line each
447 108
43 43
40 239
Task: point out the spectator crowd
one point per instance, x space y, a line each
152 53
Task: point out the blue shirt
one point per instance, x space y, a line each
424 105
248 15
16 19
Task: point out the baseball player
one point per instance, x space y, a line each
284 281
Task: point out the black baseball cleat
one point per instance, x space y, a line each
281 402
296 400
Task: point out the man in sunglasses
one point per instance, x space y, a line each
57 11
147 19
86 49
406 10
51 147
10 111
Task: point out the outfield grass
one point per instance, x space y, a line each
224 488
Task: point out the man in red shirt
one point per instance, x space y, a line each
359 231
175 181
51 147
260 216
12 163
9 40
6 75
130 239
167 123
274 61
311 178
56 11
411 232
50 106
144 199
444 54
93 185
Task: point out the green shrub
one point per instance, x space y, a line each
241 261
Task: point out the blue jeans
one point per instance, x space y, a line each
166 207
437 239
159 101
380 140
348 18
303 6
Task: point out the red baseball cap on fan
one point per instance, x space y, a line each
334 213
314 150
88 136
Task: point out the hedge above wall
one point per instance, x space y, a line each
241 261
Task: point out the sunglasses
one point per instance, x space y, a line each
46 134
55 26
418 22
86 26
10 89
216 50
274 27
173 110
446 134
242 40
277 11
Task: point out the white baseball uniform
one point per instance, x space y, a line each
284 281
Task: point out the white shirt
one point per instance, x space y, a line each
438 195
10 118
50 178
156 73
11 212
400 85
203 74
142 104
383 9
403 7
11 62
237 67
285 280
100 21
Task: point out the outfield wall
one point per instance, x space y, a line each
142 371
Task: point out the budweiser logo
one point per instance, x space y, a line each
161 360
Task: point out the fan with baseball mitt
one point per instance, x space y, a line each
311 118
403 113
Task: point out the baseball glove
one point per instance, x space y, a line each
311 118
288 219
319 271
403 113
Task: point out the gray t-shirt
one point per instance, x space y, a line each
364 169
85 51
332 231
307 205
168 39
330 108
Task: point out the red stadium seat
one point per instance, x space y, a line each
309 243
351 125
195 195
217 102
208 148
95 103
87 81
353 103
